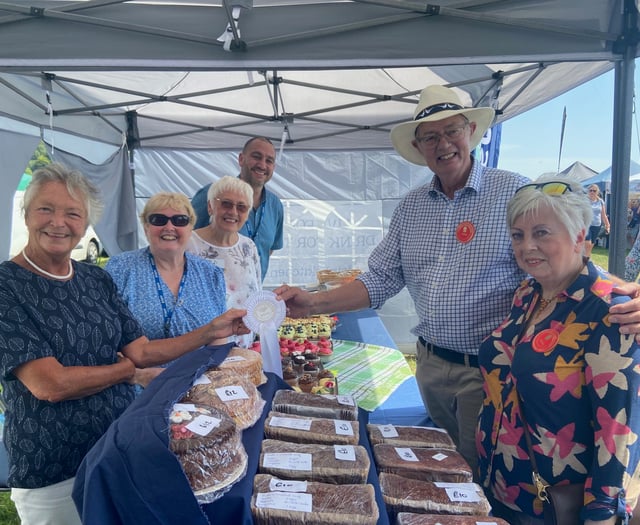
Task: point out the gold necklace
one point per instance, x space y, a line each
544 303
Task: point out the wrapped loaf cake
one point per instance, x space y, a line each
228 391
208 445
245 362
406 436
338 464
279 502
426 464
313 405
304 429
410 495
409 518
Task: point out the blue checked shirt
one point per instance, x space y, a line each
461 291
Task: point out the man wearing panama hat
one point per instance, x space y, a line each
448 244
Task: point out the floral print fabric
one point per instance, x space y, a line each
578 379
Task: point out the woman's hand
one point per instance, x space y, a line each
144 376
627 314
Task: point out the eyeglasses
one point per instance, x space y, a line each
229 205
431 140
593 191
548 188
158 219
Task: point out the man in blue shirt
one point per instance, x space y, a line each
257 162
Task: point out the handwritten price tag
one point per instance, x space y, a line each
406 454
345 452
233 359
202 380
202 425
343 428
282 485
440 456
289 422
287 460
460 494
231 393
184 407
388 431
285 501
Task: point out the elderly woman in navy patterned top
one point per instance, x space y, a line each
558 359
71 349
170 292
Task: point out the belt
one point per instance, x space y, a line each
450 355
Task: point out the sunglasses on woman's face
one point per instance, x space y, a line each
158 219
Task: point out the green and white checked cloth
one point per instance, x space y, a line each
370 373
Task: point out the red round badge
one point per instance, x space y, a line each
465 231
545 341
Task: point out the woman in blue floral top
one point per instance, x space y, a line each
576 376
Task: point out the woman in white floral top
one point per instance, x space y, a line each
229 201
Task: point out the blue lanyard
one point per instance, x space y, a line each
260 211
168 314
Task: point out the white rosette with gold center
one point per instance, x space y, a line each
264 315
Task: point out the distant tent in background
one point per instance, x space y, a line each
579 171
605 175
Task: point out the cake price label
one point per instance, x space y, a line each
202 425
343 428
458 494
184 407
346 400
289 422
231 393
450 484
345 452
202 380
287 460
233 359
388 431
287 485
406 454
285 501
440 456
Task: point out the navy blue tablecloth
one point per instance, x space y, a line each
131 477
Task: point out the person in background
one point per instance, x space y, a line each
229 201
264 225
71 349
559 360
599 219
463 283
170 292
632 262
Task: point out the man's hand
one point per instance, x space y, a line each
627 313
299 302
144 376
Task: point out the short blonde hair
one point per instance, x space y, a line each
161 200
572 208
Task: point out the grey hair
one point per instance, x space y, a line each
77 185
228 183
572 208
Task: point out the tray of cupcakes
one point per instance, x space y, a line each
305 345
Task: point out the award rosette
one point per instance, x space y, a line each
264 316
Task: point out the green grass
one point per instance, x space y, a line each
8 514
600 256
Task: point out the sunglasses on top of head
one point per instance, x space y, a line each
548 188
159 219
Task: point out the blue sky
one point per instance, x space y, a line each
530 142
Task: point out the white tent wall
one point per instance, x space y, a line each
15 151
337 207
